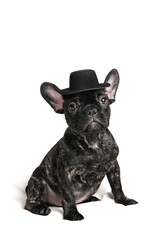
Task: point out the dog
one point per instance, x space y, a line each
74 168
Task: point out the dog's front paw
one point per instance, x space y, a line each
126 201
38 209
73 216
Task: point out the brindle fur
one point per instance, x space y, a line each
74 168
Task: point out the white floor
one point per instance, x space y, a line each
103 219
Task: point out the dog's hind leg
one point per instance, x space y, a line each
91 199
35 191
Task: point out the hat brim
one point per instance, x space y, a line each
68 91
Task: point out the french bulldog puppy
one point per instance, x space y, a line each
74 168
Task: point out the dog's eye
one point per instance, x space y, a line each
72 106
103 99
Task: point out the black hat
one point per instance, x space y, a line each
83 80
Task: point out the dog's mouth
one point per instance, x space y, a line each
94 124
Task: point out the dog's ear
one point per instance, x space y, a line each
51 94
113 79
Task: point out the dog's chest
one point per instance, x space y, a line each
89 160
91 165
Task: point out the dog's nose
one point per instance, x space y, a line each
92 112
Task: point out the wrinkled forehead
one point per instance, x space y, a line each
90 95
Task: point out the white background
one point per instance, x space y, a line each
45 41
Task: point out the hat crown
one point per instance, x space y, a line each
83 79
